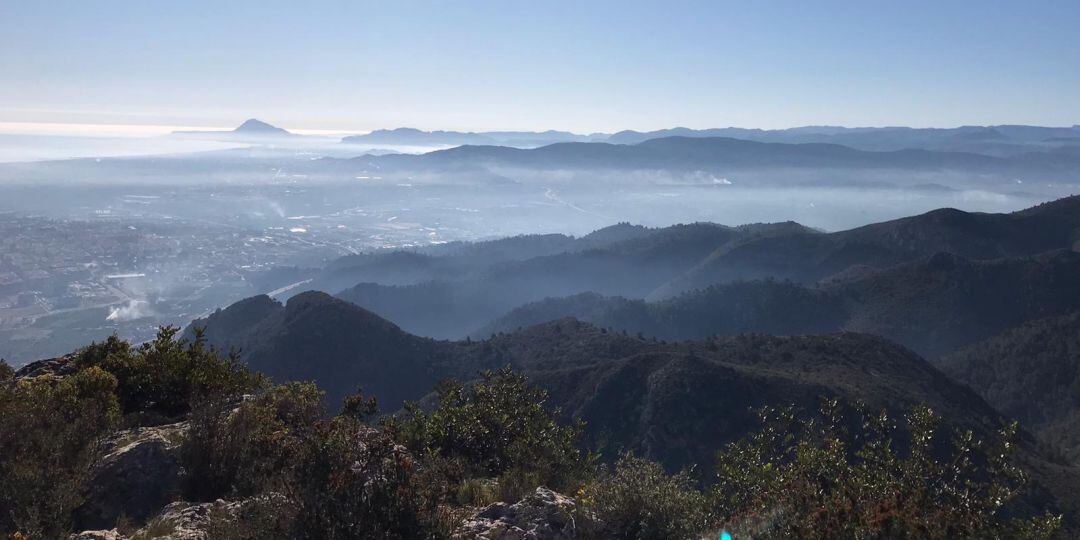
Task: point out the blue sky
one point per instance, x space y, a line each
577 65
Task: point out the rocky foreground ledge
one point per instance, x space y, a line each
543 515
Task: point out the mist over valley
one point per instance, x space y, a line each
194 231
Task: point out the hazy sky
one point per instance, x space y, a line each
579 65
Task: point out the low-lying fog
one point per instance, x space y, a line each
367 214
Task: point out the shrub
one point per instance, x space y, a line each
478 492
810 478
813 477
308 477
497 427
165 376
50 435
353 481
641 501
243 449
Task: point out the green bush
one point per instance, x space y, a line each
50 435
242 449
353 481
162 378
305 476
811 478
498 427
827 476
641 501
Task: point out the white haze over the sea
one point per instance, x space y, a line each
21 148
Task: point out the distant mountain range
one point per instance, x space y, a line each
935 305
687 161
1029 152
993 140
999 141
461 289
810 256
415 137
722 155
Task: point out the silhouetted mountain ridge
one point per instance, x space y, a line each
466 292
416 137
455 290
689 153
812 257
994 140
935 305
591 371
315 336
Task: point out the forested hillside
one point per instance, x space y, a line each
1032 373
934 305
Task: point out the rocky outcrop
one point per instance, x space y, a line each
180 520
98 535
138 475
543 515
188 521
56 367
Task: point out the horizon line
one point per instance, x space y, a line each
139 129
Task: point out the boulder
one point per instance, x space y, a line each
543 515
178 521
192 521
59 367
98 535
187 521
138 475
